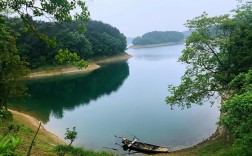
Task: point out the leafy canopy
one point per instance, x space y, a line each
218 58
218 49
11 65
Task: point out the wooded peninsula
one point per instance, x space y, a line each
96 40
158 37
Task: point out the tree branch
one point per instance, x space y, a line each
213 52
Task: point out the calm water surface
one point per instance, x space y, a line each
124 98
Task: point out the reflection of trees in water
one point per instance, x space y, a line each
56 94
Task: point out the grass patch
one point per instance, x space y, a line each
218 145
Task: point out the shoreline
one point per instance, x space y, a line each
153 45
33 123
93 65
30 120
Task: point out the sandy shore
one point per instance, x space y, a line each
72 70
34 123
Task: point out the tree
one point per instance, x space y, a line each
75 42
218 49
12 67
52 10
100 39
237 114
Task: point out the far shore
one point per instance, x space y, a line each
94 64
153 45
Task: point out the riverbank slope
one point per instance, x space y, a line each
26 127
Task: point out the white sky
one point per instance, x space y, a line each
136 17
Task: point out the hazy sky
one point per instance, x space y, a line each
136 17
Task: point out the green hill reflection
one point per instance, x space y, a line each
54 95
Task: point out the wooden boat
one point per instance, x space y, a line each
143 147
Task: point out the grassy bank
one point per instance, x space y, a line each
45 141
217 145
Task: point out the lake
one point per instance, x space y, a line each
125 98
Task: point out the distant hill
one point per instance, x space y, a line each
157 37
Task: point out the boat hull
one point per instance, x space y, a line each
144 147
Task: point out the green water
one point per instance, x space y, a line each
122 98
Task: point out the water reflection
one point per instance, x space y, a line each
54 95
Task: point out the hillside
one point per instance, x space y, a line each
158 37
96 39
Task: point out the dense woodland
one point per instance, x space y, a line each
99 39
157 37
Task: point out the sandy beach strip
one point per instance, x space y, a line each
72 70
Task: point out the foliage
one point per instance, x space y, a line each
8 146
216 52
65 57
237 114
242 83
5 115
62 11
105 39
100 39
156 37
71 135
218 58
58 10
74 41
11 67
237 118
8 143
77 151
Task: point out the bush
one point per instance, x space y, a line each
237 118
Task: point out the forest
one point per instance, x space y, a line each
157 37
98 39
